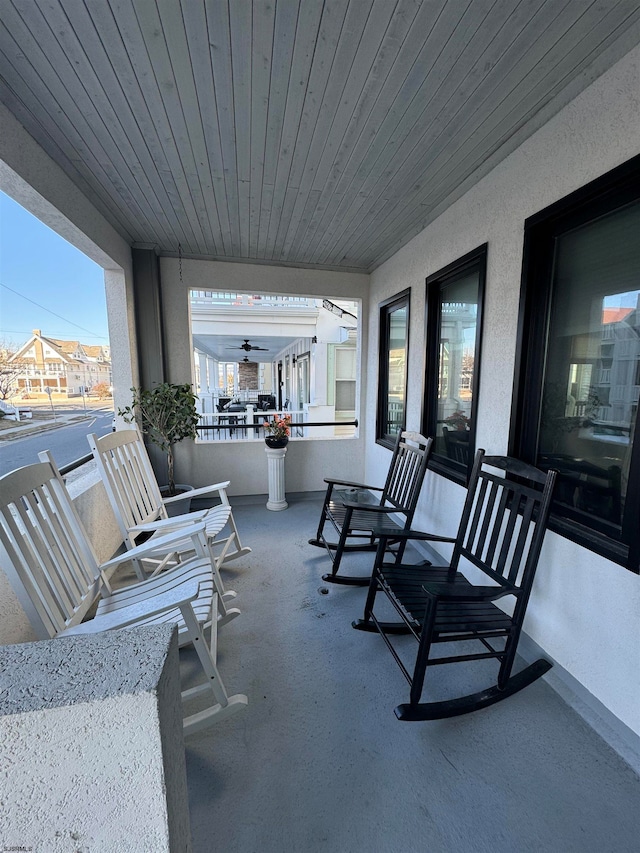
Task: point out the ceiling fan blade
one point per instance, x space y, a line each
247 347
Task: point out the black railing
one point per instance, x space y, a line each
242 425
77 463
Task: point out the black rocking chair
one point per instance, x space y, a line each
360 517
501 532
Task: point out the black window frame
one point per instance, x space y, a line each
475 260
385 309
613 191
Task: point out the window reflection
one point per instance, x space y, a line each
397 375
457 347
394 341
590 392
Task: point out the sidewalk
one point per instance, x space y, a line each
42 420
33 426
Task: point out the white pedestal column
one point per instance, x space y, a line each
275 461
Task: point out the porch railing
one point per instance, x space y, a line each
248 425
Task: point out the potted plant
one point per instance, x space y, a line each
277 431
458 419
167 414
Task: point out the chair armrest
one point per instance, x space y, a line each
125 616
195 493
169 523
417 534
370 507
330 481
464 592
156 544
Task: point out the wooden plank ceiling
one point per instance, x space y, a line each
310 132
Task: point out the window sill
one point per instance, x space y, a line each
443 469
388 444
599 544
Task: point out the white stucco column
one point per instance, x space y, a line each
204 377
275 462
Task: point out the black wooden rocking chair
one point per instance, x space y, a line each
358 516
501 532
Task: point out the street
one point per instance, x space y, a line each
66 443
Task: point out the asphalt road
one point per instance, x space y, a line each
66 443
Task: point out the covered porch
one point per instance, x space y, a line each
346 150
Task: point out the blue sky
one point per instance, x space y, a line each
38 266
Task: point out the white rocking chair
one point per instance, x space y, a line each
169 541
139 507
54 571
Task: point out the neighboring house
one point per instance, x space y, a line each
66 367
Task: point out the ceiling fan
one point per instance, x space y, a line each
247 347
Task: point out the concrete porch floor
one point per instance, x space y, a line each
318 761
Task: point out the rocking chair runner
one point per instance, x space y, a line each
501 532
55 574
359 517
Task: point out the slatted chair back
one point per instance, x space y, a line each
45 551
406 473
128 477
134 495
500 534
364 512
503 522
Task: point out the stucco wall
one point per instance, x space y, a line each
245 464
585 611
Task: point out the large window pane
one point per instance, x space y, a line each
456 346
392 387
590 393
579 379
454 300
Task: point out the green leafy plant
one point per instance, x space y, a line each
167 414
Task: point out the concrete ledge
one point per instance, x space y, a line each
91 748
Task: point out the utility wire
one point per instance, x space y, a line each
48 310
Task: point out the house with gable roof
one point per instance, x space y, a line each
66 367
